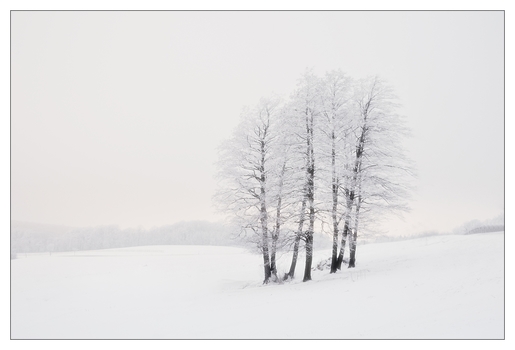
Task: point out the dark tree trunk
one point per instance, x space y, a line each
266 257
352 258
275 237
309 256
309 243
335 207
349 194
291 273
334 255
266 263
342 245
273 267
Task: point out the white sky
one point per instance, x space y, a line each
116 116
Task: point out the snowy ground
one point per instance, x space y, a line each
441 287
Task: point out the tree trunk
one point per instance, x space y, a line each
352 245
291 273
264 216
310 194
309 256
266 264
356 187
334 255
277 231
266 257
309 242
335 207
350 197
342 245
352 259
273 267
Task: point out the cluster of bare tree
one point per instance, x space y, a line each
330 156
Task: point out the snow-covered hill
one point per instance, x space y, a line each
434 287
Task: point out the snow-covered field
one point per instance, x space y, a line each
436 287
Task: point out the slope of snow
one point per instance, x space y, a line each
443 287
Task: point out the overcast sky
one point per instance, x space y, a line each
116 116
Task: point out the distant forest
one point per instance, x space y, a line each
27 237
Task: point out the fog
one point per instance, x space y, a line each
116 116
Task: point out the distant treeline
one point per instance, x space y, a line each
471 227
34 238
486 229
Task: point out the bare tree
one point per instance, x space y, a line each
335 94
304 112
381 172
283 189
244 173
